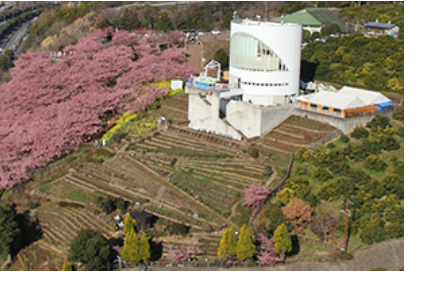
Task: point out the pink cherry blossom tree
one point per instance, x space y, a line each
255 195
181 254
50 106
266 252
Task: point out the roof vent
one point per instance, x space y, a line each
389 22
376 20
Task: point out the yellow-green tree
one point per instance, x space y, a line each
130 250
228 244
245 247
69 267
282 241
144 249
128 225
396 84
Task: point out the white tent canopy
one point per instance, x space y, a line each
368 97
347 98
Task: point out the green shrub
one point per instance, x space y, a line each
333 190
360 133
299 154
295 187
375 163
339 168
379 122
322 159
300 170
393 184
268 171
359 176
253 152
330 146
274 216
173 162
321 174
400 131
155 134
373 231
374 188
345 139
389 143
399 114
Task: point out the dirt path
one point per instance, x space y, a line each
195 52
272 178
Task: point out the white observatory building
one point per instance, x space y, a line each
265 60
264 79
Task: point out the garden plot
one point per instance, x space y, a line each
164 212
36 257
175 197
175 108
293 134
61 225
63 190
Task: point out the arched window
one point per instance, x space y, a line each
249 53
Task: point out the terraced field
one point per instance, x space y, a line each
177 174
294 134
175 109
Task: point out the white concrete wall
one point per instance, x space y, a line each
273 116
245 118
204 115
256 121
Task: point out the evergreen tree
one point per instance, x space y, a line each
228 244
222 57
128 225
9 229
231 250
91 248
144 249
130 250
245 247
282 241
69 267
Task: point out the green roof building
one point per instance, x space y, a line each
314 19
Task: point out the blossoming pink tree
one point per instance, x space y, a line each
181 254
51 105
255 195
266 252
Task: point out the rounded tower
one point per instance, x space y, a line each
265 60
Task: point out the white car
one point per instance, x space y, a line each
215 32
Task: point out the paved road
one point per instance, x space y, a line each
14 38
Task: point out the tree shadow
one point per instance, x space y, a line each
155 250
308 70
30 232
295 246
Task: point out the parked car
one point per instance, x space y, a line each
215 32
